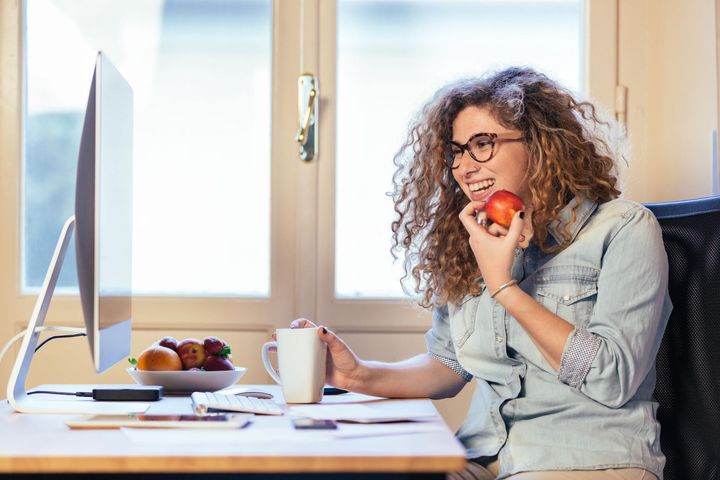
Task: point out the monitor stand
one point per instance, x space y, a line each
16 394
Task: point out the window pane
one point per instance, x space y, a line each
200 72
392 56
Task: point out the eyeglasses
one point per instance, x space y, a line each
481 148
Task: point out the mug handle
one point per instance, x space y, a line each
266 361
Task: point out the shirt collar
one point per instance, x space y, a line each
585 208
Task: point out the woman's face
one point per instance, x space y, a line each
506 170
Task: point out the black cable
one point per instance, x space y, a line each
70 335
74 394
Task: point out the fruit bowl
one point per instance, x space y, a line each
188 380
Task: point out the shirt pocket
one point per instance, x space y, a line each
462 320
568 291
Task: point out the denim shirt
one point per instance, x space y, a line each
597 412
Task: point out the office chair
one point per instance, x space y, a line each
688 363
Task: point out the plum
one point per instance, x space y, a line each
214 363
169 342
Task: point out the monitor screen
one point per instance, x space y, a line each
103 215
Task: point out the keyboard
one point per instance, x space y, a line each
206 401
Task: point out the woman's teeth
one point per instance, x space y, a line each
480 186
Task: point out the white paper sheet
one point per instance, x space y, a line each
358 431
210 439
362 413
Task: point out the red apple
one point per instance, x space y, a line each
192 353
502 206
213 363
213 345
169 342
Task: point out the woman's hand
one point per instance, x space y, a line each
493 245
343 366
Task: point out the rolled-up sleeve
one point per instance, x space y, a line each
439 343
610 357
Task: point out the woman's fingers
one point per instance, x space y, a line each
473 217
497 230
335 345
516 227
481 220
302 323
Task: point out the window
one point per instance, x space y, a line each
200 73
392 55
231 228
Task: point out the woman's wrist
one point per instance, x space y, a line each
501 287
361 377
493 285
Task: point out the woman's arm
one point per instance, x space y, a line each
418 377
548 332
608 359
494 252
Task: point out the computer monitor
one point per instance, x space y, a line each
103 239
103 215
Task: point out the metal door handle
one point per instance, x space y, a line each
306 135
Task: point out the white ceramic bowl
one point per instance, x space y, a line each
188 380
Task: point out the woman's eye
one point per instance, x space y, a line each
481 143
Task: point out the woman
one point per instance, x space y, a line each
559 317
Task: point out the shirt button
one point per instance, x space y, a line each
566 297
499 339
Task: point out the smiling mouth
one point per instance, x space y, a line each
481 186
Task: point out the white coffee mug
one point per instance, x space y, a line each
301 363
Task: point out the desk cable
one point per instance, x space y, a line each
69 332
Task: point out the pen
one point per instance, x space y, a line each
333 391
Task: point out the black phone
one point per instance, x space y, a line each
306 423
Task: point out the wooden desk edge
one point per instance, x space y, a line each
223 464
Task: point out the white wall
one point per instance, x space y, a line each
668 61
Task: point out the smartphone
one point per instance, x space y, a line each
307 423
220 420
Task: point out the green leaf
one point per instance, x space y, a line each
133 362
224 351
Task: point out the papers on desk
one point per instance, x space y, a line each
363 413
255 435
208 440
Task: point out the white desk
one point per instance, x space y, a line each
42 443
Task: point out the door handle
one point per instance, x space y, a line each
307 133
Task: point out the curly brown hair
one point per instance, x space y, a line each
568 158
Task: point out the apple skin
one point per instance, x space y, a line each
169 342
502 206
192 353
215 363
213 345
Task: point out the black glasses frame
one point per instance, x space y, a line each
495 138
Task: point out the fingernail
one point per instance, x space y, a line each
522 215
325 330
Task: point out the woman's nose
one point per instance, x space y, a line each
466 164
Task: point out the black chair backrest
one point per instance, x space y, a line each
688 363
